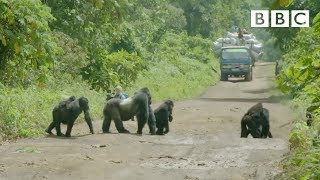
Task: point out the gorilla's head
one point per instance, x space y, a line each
169 103
309 115
83 102
71 98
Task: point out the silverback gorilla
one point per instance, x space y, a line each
124 109
67 112
163 115
256 122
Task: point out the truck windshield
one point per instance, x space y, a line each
235 54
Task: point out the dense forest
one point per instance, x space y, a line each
51 49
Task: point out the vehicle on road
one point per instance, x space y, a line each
236 61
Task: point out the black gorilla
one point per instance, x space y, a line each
309 114
277 68
124 109
64 103
110 95
163 115
256 122
67 112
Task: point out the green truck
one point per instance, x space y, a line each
236 61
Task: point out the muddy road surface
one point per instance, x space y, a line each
204 142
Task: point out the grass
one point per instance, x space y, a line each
168 82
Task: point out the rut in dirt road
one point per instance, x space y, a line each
204 142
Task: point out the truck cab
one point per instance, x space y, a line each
236 61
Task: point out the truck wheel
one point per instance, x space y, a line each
224 77
248 76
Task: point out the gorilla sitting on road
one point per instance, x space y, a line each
163 115
256 122
67 112
124 109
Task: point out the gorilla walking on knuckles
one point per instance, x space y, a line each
120 110
67 112
163 116
256 122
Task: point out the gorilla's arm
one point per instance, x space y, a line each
265 124
244 131
152 122
254 128
170 118
88 120
166 127
170 105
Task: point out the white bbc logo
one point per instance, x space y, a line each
280 18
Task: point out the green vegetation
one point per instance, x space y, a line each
299 78
53 49
179 54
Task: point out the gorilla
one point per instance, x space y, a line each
309 117
309 114
256 122
109 95
277 68
67 112
163 115
124 109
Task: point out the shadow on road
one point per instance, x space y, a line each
64 137
271 99
259 91
237 80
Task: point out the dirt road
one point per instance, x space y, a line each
204 143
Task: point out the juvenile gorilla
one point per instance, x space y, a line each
256 122
124 109
163 115
67 112
64 103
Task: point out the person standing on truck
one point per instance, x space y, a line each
240 36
